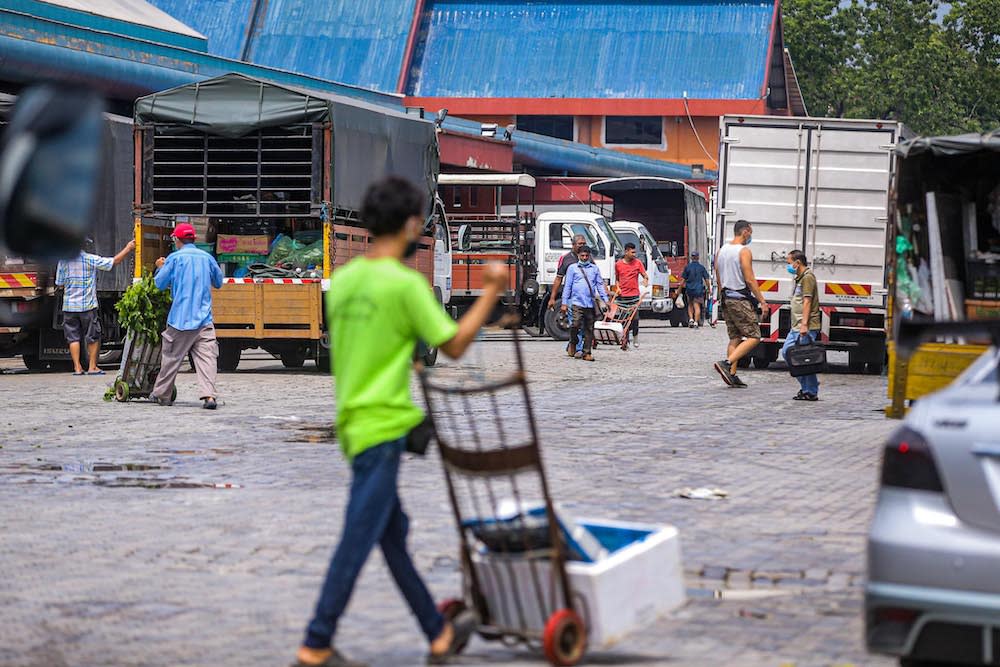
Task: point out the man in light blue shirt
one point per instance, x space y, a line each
189 274
583 288
81 310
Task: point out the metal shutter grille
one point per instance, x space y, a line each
269 172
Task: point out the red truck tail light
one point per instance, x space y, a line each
907 462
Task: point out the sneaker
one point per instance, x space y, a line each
165 402
738 383
810 397
588 357
801 396
210 404
634 342
690 323
722 368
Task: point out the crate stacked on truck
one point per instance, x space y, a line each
27 288
819 185
272 177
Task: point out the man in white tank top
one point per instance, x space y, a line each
740 296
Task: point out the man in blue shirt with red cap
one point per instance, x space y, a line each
190 274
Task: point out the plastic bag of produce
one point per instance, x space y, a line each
310 255
281 248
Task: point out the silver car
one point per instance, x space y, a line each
933 592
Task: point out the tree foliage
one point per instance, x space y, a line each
933 66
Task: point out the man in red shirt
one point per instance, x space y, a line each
629 269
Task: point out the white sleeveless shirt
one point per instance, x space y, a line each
727 263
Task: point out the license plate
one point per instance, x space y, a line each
837 357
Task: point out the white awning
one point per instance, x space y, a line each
524 180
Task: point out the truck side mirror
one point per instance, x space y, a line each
464 234
50 170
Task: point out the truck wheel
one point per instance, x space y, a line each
743 363
32 362
229 356
557 324
293 357
760 363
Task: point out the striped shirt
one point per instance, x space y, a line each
79 277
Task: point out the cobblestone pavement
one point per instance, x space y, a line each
120 548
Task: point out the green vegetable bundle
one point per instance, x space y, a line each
143 309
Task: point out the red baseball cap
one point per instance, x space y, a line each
184 231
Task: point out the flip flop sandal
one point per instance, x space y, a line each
80 373
96 373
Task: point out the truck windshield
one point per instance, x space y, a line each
657 255
616 245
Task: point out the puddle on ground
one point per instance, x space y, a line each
312 433
106 474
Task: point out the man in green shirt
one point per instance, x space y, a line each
377 309
806 322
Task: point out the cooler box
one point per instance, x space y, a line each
639 580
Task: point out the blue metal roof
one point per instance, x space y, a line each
358 43
653 49
223 22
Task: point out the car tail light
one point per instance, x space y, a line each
657 291
907 462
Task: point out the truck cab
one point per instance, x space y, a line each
655 296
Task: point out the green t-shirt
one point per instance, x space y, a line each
805 285
377 309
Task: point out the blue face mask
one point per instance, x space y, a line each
584 262
791 269
749 239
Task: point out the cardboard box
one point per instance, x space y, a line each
982 309
233 243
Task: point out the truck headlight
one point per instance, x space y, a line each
531 287
658 291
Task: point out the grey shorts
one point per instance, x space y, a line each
82 326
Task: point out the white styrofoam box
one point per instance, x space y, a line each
610 333
640 580
577 537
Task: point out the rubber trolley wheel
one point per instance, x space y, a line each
565 638
121 391
450 609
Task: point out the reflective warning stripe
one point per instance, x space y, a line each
767 285
775 328
16 280
848 289
270 281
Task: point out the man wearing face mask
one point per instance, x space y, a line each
740 296
377 309
806 321
584 291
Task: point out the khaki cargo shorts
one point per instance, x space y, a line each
741 319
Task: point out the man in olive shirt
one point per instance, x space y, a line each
806 322
377 309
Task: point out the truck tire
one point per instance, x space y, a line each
293 357
760 363
32 362
229 356
555 324
743 363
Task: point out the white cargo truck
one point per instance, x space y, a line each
819 185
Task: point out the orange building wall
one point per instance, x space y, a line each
682 144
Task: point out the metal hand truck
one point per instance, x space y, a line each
513 551
139 367
614 328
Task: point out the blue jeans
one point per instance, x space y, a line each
809 383
374 516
